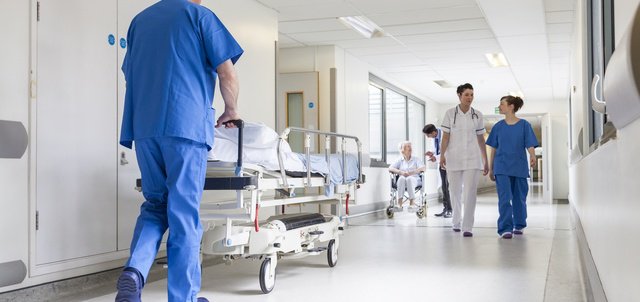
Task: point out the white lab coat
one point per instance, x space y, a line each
463 152
464 162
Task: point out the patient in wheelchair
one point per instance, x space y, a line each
408 169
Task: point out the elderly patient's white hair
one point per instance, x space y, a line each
402 144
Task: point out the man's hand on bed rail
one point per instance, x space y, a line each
228 119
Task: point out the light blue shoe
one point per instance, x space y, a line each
129 287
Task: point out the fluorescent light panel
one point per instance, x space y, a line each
443 83
497 59
363 26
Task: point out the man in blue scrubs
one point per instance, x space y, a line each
176 50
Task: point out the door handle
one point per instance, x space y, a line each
597 103
123 159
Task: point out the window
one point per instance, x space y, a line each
394 116
601 41
396 123
375 122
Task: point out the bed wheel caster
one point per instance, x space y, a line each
421 213
267 276
332 253
390 212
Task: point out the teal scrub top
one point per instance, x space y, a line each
511 143
174 48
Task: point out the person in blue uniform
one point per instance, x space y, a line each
176 51
511 139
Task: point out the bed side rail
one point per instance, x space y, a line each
327 150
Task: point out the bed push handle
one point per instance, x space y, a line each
240 125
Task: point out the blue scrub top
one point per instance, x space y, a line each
174 48
511 143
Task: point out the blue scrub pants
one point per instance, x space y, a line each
512 202
173 172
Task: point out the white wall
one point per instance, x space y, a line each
256 29
14 105
604 184
253 25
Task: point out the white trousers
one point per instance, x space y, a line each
465 181
409 183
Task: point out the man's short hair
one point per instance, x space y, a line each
429 128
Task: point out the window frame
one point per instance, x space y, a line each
386 86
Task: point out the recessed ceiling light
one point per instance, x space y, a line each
443 83
363 26
497 59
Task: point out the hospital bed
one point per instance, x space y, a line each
233 228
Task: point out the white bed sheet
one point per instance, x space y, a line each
260 145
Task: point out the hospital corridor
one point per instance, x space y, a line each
319 150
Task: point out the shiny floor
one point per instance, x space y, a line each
404 258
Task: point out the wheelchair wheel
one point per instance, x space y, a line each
390 212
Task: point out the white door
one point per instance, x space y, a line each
129 200
75 130
298 106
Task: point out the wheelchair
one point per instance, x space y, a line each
420 201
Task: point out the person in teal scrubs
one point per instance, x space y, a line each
176 51
511 139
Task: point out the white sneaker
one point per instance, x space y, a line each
506 235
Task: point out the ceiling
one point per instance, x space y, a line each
431 40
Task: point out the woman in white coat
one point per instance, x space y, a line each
464 156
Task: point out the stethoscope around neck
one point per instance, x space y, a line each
473 114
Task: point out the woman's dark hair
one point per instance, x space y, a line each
462 87
429 128
516 101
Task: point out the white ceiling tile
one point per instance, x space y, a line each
556 38
426 15
335 35
525 49
447 36
436 27
422 75
383 6
559 17
316 11
413 68
276 4
306 26
285 42
489 43
514 18
381 61
365 43
560 28
367 51
558 5
534 76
